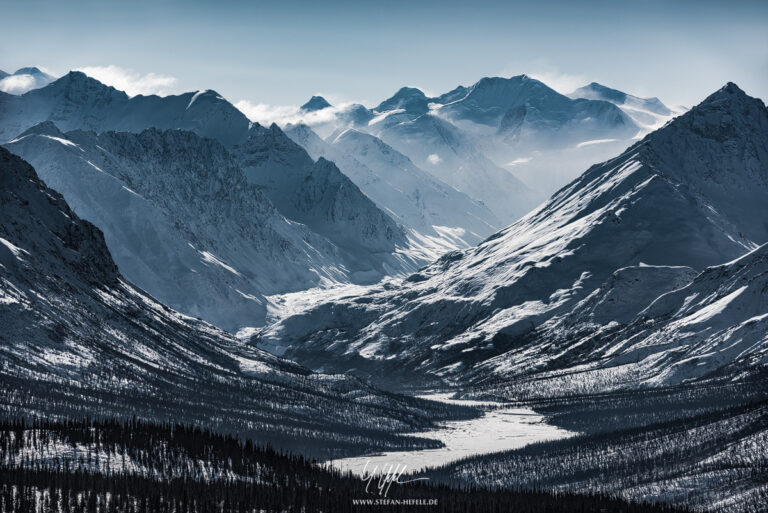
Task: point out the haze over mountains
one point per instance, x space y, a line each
483 139
432 209
690 194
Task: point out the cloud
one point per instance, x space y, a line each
521 160
18 84
132 82
563 83
266 114
434 159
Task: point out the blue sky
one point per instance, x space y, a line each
282 52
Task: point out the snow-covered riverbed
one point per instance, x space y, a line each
500 429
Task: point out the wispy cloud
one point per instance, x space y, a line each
18 84
563 83
132 82
434 159
267 114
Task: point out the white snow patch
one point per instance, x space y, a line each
65 142
385 115
17 251
712 310
212 259
502 428
595 141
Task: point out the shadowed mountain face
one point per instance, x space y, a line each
315 103
689 194
78 339
316 194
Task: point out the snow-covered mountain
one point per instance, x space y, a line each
23 80
439 216
690 194
76 101
648 113
507 142
451 155
315 103
525 111
318 195
78 339
713 325
183 222
345 236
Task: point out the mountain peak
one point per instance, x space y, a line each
727 114
729 92
44 128
407 92
411 99
315 103
510 86
32 70
604 92
80 79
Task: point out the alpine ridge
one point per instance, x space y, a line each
689 194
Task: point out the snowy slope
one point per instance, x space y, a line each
690 194
79 340
711 326
182 221
23 80
436 212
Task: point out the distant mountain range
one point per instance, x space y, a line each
483 139
595 256
645 112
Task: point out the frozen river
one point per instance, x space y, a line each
500 429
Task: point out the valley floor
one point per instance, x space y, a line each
502 427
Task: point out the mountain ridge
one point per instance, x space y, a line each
472 305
